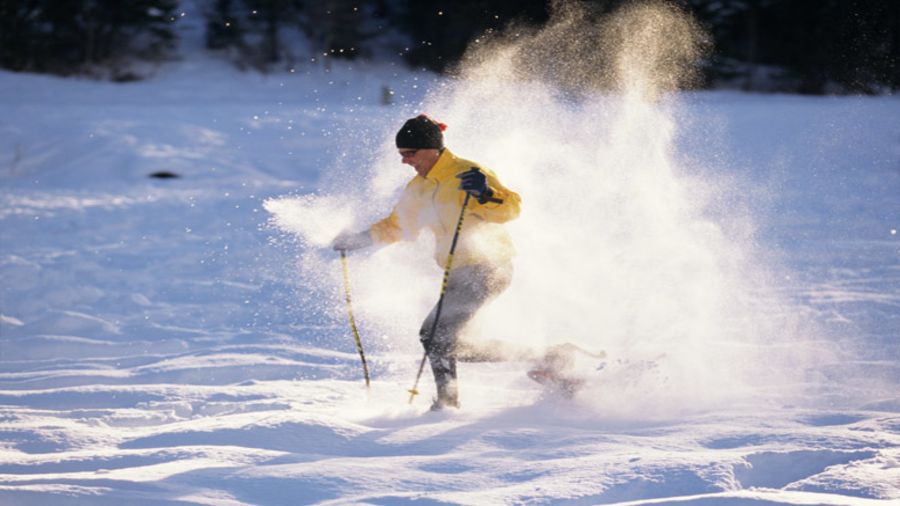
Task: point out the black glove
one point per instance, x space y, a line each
474 182
349 241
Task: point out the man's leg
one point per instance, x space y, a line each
468 288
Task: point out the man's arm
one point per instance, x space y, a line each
495 202
386 231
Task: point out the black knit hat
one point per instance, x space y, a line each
421 132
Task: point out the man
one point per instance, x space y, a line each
432 200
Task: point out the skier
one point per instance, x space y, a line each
432 200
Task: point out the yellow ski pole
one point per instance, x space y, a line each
413 392
359 347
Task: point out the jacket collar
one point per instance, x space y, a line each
443 167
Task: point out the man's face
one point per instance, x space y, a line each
420 159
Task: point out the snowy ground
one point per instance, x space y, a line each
159 345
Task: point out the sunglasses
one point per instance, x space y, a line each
407 153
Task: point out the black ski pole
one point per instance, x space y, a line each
437 313
359 347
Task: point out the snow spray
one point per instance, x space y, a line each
622 246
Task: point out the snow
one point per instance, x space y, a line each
183 341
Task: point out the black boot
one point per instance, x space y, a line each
447 396
443 366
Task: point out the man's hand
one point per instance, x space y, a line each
474 182
349 241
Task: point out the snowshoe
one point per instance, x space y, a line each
551 379
565 367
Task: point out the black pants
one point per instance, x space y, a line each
468 289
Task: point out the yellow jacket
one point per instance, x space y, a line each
434 202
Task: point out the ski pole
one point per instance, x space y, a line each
359 347
437 313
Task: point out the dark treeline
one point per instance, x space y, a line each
808 46
261 33
70 36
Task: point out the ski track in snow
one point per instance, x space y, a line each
158 349
139 437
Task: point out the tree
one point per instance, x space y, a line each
269 31
337 28
224 26
440 31
66 36
17 27
819 44
267 17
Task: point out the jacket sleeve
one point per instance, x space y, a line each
387 230
392 229
497 212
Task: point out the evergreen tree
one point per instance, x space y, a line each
268 17
261 29
849 43
224 27
16 32
337 28
440 31
66 36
